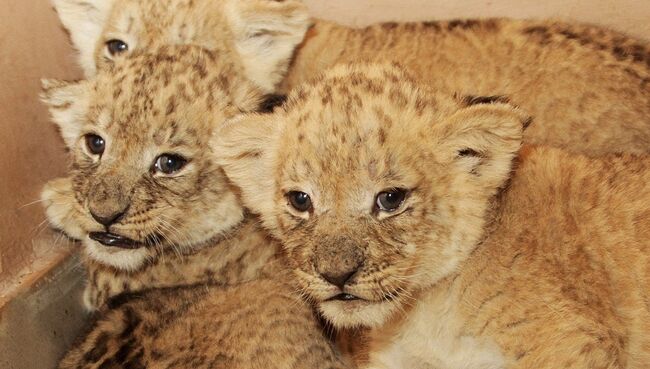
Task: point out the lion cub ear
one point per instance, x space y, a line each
245 147
482 140
266 34
67 103
84 20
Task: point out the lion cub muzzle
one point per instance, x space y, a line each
109 199
337 259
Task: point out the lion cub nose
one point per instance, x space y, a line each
337 279
107 220
337 259
109 199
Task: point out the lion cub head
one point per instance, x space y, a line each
376 188
142 178
262 33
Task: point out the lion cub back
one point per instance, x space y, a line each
567 265
260 324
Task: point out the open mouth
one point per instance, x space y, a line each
115 240
344 297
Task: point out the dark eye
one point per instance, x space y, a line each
95 144
390 200
299 200
116 46
169 163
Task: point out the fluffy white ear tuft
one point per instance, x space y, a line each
85 21
245 147
67 103
266 34
483 140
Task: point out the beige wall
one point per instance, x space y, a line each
33 46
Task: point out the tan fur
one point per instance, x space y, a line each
261 34
555 274
190 224
166 101
587 87
256 325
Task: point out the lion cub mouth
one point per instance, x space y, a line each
115 240
344 297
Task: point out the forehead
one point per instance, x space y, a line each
173 20
179 86
357 128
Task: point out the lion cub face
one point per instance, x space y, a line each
376 188
142 179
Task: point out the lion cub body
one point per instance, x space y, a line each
254 325
562 280
587 87
550 271
566 76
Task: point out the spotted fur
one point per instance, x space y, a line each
261 34
190 225
256 325
476 267
166 97
587 87
189 222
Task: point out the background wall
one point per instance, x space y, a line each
33 45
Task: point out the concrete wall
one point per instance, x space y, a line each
40 323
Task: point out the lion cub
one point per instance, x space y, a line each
399 212
153 209
144 195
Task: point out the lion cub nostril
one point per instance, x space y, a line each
338 279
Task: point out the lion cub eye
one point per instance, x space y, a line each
299 200
95 144
169 163
116 47
390 200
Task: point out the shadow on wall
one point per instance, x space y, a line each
38 325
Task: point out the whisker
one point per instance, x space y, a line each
31 203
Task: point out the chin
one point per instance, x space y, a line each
358 313
123 259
